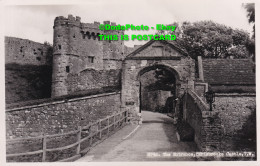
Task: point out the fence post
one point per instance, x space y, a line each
108 125
90 133
78 139
114 121
44 142
100 129
126 116
118 120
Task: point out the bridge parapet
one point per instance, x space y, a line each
206 124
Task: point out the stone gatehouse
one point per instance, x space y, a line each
151 56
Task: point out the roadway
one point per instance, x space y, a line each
142 142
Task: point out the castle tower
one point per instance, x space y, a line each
77 47
63 52
113 50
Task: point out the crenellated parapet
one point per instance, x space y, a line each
61 21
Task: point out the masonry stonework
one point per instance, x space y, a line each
27 52
59 116
234 111
206 124
28 69
94 79
77 47
154 54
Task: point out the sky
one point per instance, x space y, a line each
34 21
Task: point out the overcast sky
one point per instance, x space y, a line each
35 22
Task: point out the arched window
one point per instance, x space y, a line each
93 35
88 34
98 36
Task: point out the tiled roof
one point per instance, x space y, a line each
228 71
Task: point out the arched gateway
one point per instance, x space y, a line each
151 56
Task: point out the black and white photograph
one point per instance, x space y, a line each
165 82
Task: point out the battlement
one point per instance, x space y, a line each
86 28
67 21
71 20
91 27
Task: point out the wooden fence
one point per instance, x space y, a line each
98 130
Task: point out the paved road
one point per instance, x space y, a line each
156 134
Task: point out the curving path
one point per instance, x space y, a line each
156 134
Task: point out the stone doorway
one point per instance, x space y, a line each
157 91
154 55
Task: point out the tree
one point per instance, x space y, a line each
165 80
250 8
211 40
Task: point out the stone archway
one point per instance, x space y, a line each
154 92
154 54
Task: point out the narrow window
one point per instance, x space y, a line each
67 69
59 47
88 35
98 36
91 59
93 35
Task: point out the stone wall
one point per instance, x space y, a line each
59 116
234 111
229 127
93 79
27 52
206 124
28 70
